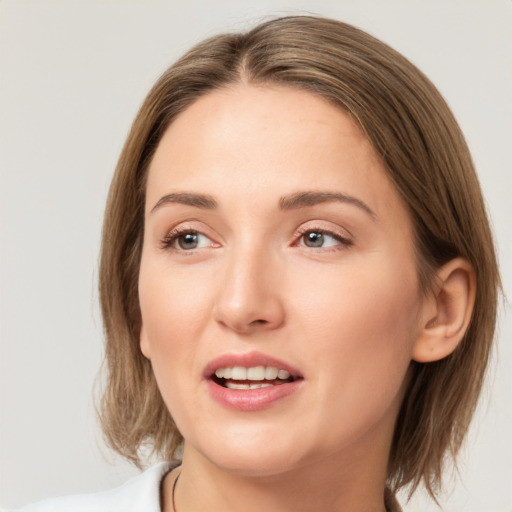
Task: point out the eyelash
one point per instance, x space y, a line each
343 241
172 237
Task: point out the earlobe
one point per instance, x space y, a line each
144 344
447 312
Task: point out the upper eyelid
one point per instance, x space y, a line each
188 226
313 225
180 232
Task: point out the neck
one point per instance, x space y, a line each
325 484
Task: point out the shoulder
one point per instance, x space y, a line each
139 494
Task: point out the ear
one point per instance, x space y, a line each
144 343
447 312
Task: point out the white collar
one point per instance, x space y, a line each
139 494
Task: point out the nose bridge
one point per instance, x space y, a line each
249 294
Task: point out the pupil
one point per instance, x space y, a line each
314 239
188 241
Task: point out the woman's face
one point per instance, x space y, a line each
275 243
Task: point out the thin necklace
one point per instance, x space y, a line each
174 509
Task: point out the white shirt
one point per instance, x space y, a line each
139 494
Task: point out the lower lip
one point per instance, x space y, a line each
251 399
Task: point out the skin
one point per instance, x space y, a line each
349 315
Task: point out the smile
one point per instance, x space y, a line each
254 377
250 382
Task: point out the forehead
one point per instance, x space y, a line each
247 138
270 118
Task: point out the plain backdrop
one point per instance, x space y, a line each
72 75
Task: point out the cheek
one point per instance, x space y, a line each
361 348
378 295
169 324
175 308
362 325
174 305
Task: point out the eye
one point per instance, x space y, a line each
186 240
316 238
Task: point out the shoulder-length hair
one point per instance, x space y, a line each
425 154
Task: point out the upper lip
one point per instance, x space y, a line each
248 360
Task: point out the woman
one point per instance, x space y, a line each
298 280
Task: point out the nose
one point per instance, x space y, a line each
250 296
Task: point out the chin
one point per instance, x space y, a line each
253 456
260 466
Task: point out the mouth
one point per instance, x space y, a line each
254 377
250 382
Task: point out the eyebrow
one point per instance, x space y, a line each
312 198
294 201
203 201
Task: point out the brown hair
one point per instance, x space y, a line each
418 139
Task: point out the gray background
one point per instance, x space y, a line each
72 75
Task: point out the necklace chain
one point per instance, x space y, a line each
174 509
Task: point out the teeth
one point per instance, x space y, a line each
235 385
283 374
239 373
258 373
271 373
